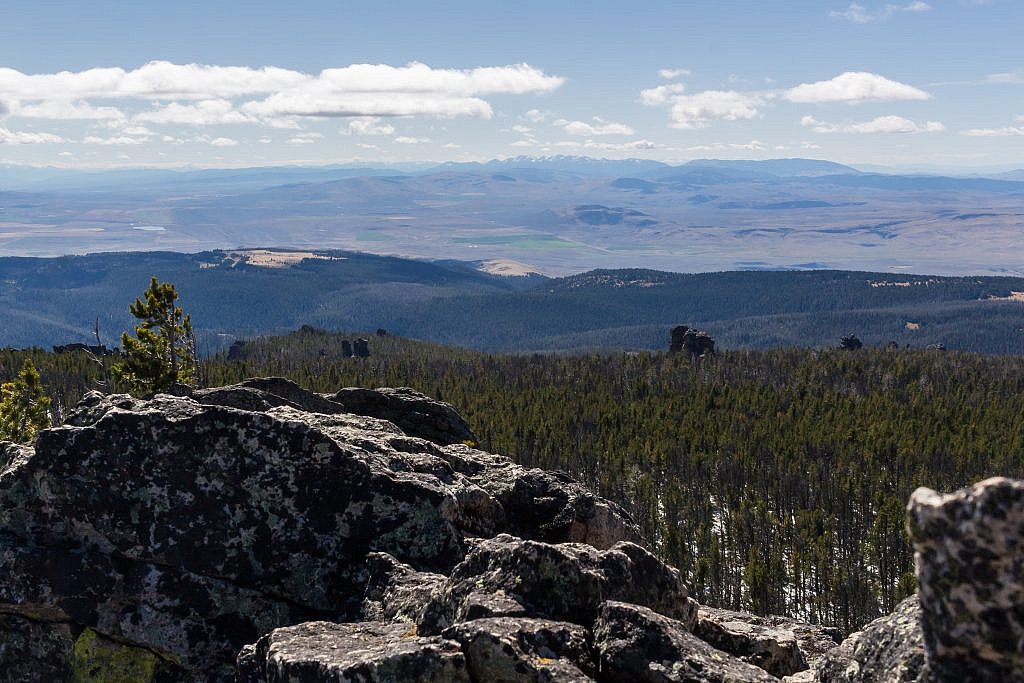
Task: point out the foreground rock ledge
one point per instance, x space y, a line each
175 530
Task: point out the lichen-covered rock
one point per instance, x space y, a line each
507 576
369 652
188 526
95 658
546 506
40 646
34 649
638 645
773 648
888 650
521 650
969 556
396 591
414 413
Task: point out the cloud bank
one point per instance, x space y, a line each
199 94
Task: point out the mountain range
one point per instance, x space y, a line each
555 215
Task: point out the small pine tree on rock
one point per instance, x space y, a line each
24 408
163 351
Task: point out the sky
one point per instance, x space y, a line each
98 84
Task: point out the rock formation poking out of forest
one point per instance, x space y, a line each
260 532
692 341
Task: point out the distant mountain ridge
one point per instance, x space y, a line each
705 215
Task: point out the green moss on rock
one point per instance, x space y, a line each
95 659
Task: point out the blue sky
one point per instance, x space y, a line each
913 84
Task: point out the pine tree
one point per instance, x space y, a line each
163 351
24 408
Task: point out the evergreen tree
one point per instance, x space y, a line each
163 351
24 409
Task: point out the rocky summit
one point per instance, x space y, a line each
263 533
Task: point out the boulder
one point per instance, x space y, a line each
237 350
395 591
184 527
636 644
521 650
692 341
507 576
774 649
369 652
545 506
850 342
969 557
888 650
413 413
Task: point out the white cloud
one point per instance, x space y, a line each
365 145
216 142
599 127
669 74
305 138
66 110
409 140
524 143
1006 78
223 142
202 113
9 137
700 109
155 80
199 94
115 140
881 124
265 140
752 146
632 146
1005 132
452 145
137 130
855 13
859 14
854 87
653 97
415 89
535 115
521 129
369 125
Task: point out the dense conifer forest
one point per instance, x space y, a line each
775 480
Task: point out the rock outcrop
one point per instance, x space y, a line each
969 557
888 650
692 341
260 532
170 532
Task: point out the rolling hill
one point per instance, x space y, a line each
246 293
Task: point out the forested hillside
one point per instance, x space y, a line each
233 294
775 480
